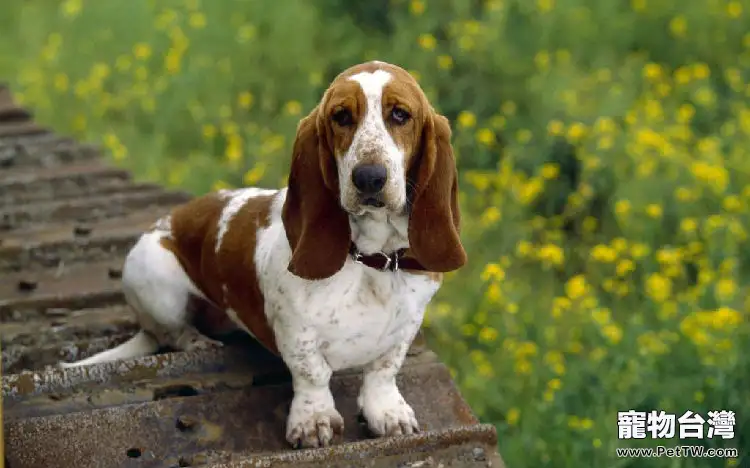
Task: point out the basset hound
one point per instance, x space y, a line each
333 271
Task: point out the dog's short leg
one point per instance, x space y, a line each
313 419
158 290
380 400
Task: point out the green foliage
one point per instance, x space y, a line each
603 148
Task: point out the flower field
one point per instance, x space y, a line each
604 150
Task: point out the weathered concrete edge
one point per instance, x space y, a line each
361 453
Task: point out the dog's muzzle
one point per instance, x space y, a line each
369 180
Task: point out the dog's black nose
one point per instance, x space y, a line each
369 178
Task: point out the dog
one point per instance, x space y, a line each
332 272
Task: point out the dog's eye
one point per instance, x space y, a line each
399 115
343 117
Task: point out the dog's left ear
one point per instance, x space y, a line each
316 227
434 223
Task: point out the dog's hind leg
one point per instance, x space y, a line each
159 290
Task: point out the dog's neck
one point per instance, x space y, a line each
379 231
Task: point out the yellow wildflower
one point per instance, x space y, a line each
466 119
245 33
576 287
142 51
417 7
576 131
712 175
658 287
638 5
523 248
559 305
254 175
530 190
639 250
726 318
545 6
488 334
555 127
554 384
491 216
619 244
209 131
624 267
523 135
688 225
652 71
654 210
678 26
220 185
234 149
725 289
603 253
622 207
522 367
589 224
427 41
245 100
734 9
493 271
71 8
613 333
513 416
445 62
293 107
550 171
494 293
551 254
732 203
485 136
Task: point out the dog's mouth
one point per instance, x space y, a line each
372 201
374 204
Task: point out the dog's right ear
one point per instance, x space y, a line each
316 226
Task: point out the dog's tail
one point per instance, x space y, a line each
141 344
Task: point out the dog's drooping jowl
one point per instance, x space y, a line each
333 271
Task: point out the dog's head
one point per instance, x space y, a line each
373 143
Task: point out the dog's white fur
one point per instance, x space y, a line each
358 318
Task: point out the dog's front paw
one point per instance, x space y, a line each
312 423
387 413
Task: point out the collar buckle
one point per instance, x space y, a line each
391 261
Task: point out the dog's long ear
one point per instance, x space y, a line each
316 226
434 223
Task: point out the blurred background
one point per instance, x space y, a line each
604 152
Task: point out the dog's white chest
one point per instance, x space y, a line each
361 321
350 318
355 316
